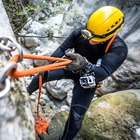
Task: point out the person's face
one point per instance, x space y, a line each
93 42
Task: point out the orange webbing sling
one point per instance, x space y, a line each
15 73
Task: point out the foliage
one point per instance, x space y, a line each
18 11
49 32
77 15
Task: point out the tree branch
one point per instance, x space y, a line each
40 36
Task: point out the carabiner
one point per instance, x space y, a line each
5 80
6 89
5 70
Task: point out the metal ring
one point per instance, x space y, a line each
6 89
19 49
4 44
11 47
5 70
4 48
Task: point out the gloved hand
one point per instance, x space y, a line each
78 62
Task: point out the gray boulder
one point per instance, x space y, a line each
60 88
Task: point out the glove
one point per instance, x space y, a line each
78 62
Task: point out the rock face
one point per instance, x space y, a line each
16 120
112 117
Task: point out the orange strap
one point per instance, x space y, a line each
110 43
15 73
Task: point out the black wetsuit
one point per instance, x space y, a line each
82 98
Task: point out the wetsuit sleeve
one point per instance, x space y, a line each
110 62
68 43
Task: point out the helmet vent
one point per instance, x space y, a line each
116 23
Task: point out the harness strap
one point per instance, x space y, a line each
110 42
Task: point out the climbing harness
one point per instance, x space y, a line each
10 70
87 80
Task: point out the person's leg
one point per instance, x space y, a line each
80 103
49 76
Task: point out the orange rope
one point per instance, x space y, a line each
110 43
41 126
15 73
40 123
40 85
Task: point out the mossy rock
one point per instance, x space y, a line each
111 117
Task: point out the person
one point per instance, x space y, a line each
91 62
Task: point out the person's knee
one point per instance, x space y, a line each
78 117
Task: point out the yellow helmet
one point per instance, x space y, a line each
103 24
